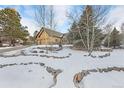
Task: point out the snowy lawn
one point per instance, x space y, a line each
1 48
4 48
25 76
37 76
112 79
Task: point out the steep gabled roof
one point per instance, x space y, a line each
49 32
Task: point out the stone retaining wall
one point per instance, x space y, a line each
78 77
47 56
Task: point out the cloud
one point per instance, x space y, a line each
61 16
61 13
31 24
116 16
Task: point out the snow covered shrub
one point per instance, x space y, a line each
34 51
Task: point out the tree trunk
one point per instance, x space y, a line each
87 29
13 42
0 43
92 41
82 40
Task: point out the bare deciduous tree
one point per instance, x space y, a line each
74 17
108 30
98 19
51 17
40 15
93 18
51 20
122 33
45 17
41 19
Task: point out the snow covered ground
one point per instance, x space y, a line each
36 76
112 79
1 48
4 48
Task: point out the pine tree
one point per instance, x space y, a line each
10 23
122 34
90 33
73 32
115 38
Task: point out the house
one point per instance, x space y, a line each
48 36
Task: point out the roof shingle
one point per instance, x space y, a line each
50 32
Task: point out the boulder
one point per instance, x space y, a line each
5 65
29 70
85 72
21 63
116 69
1 66
100 70
55 57
122 68
12 64
93 56
41 51
92 70
41 64
39 48
69 54
56 72
30 63
100 56
78 77
34 55
35 63
105 70
49 69
25 64
47 56
53 71
34 51
23 53
109 69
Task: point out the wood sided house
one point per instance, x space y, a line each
48 36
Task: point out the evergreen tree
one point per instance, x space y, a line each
10 23
73 32
35 34
91 34
115 38
122 34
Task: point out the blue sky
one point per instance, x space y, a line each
27 12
